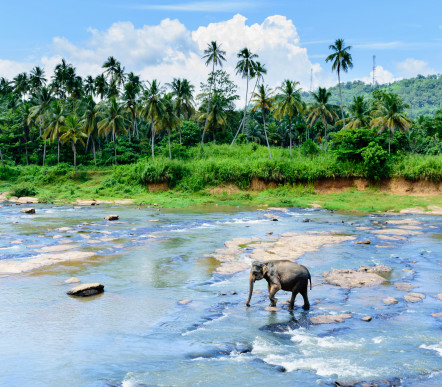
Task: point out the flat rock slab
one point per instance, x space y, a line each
350 278
438 296
329 318
397 231
438 315
403 221
86 290
414 297
404 286
367 242
184 302
272 309
375 269
366 318
72 280
28 210
112 217
390 301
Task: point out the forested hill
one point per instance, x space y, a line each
423 94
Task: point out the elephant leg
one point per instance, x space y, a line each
305 297
273 290
296 289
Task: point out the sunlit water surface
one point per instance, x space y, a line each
136 333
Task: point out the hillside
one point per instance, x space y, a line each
423 94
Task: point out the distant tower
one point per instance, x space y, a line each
374 69
311 80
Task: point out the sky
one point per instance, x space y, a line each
164 39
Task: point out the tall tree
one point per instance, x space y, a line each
289 103
212 54
37 78
390 114
55 117
322 110
341 61
89 122
113 120
101 86
264 100
359 113
216 117
153 109
89 85
130 99
73 133
169 120
182 91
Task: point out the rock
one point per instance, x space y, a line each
350 278
86 290
438 296
274 220
112 217
329 318
307 220
390 301
184 302
28 210
367 242
272 309
414 297
223 294
366 318
270 233
72 280
232 292
375 269
257 291
437 315
404 286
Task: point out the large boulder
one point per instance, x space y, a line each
404 286
28 210
86 290
350 278
390 301
329 318
112 217
414 297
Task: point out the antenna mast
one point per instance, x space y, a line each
374 69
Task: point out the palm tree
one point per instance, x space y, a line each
21 85
264 100
169 120
101 86
289 103
72 131
111 67
342 60
213 54
37 78
63 75
359 113
131 103
153 109
113 121
217 115
5 86
322 110
389 114
246 68
89 85
182 90
55 120
89 122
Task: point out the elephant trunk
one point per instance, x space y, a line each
252 280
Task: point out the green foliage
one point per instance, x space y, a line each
8 173
375 163
24 190
309 148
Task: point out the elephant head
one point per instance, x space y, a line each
257 272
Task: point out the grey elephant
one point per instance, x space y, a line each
281 274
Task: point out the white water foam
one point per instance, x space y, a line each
434 347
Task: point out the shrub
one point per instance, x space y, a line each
309 148
24 190
375 161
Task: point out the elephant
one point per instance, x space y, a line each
281 274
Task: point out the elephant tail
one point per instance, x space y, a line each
310 278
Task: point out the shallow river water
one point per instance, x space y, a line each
136 332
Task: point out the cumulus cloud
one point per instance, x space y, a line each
9 69
411 67
382 76
169 50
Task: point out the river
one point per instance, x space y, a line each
136 332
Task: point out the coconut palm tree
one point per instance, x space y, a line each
322 110
264 100
169 120
89 85
182 91
289 103
89 122
212 54
37 78
130 99
72 131
389 114
153 109
113 120
101 86
5 86
341 61
217 115
21 85
55 117
246 68
359 113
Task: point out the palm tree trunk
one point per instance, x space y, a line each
179 129
93 147
245 106
26 152
153 142
389 140
170 152
75 156
340 97
44 153
208 107
290 136
58 145
115 146
265 132
1 157
325 137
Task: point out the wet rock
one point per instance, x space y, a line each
28 210
404 286
375 269
392 382
184 302
437 315
272 309
232 292
270 233
225 349
366 318
86 290
367 242
390 301
414 297
273 367
438 296
329 318
112 217
223 294
307 220
350 278
72 280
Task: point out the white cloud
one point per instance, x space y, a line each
382 76
411 67
9 69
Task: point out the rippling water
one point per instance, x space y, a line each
137 334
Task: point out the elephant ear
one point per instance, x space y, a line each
264 269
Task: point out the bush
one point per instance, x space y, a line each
8 173
375 162
309 148
24 190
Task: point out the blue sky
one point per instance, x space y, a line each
405 36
